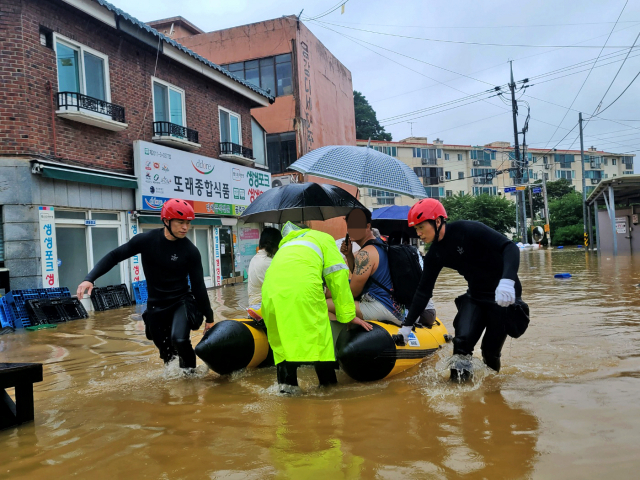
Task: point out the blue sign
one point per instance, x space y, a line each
537 190
509 189
89 223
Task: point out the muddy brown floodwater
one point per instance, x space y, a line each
565 405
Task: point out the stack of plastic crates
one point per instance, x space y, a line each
140 291
108 298
13 304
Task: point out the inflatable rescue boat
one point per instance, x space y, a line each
235 344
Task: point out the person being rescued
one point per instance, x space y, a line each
269 240
371 276
294 308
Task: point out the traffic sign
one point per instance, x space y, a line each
521 188
509 189
537 190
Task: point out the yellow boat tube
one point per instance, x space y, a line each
235 344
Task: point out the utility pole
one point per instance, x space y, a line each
584 188
516 151
531 204
547 222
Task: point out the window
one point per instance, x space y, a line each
381 193
229 126
449 193
627 172
269 73
535 159
485 190
392 151
545 160
459 157
447 175
613 161
439 152
565 160
460 175
281 151
168 103
82 70
259 143
434 192
461 192
446 156
427 153
566 174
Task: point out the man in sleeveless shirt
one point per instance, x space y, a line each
368 264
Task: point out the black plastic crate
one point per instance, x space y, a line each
55 310
108 298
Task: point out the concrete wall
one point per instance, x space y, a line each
20 221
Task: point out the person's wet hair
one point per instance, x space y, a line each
270 240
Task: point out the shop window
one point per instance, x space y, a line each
82 70
281 151
168 103
69 214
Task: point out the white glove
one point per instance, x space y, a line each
506 293
405 331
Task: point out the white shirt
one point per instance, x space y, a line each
257 269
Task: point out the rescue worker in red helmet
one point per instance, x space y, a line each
168 258
489 262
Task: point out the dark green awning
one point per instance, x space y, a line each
87 177
155 220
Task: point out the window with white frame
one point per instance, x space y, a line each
82 69
459 157
460 175
447 175
446 156
168 103
229 127
613 161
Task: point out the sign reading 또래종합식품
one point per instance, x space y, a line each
214 186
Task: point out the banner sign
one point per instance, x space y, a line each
137 274
48 248
214 187
216 256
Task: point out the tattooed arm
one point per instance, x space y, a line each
365 263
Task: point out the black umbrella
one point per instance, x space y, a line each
300 202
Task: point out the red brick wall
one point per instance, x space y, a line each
25 105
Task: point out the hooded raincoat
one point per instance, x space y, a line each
294 307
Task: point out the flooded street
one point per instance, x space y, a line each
565 404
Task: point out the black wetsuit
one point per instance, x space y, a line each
173 310
483 257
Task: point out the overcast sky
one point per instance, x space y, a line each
396 85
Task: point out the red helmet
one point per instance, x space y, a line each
426 209
176 208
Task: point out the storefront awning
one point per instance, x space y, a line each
155 220
60 171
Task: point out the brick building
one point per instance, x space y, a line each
314 94
87 91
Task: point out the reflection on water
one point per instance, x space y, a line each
564 405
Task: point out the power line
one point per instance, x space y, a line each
488 26
327 12
618 97
470 43
590 70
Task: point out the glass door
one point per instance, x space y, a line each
203 245
72 255
226 252
105 239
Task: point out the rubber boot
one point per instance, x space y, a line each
462 369
491 360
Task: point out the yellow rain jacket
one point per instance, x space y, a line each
294 307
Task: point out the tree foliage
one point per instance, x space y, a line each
494 211
566 219
367 125
555 190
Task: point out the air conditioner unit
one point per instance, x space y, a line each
280 181
595 181
441 178
476 163
476 180
594 165
546 167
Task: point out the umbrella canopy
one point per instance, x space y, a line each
392 212
393 220
300 202
362 167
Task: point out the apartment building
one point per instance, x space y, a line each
103 119
448 170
